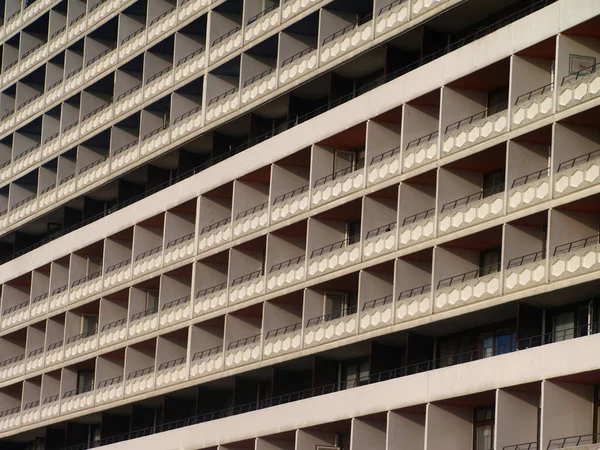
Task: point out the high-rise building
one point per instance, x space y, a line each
299 224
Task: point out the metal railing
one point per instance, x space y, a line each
158 74
126 147
226 35
51 399
284 330
97 5
418 216
129 91
475 117
247 277
245 341
55 345
31 50
23 202
250 211
211 290
47 189
223 95
109 382
208 352
156 131
580 243
100 55
263 13
180 240
187 114
39 298
52 86
335 246
467 276
387 8
286 264
50 138
60 290
526 259
118 266
580 73
174 303
382 229
147 253
463 201
134 34
79 390
93 164
37 351
191 55
287 195
214 226
11 411
29 100
536 92
348 311
31 405
115 324
67 178
573 441
73 73
578 160
172 363
140 373
377 302
96 111
408 293
26 152
525 446
9 361
145 313
298 55
5 164
161 16
71 126
534 176
57 32
334 175
384 155
261 75
15 308
81 336
361 20
87 278
422 139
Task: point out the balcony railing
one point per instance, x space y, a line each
526 259
118 266
187 114
96 111
31 50
110 382
152 251
39 298
385 155
331 316
85 279
334 175
126 147
48 188
408 293
381 230
9 361
162 16
27 152
100 55
261 75
298 55
10 412
129 91
55 345
580 74
60 290
50 399
475 117
214 226
77 391
247 277
154 132
284 330
31 405
463 201
214 100
16 307
286 264
263 13
575 245
536 92
133 35
573 441
175 303
93 164
419 216
37 351
287 195
471 275
30 100
211 290
140 373
226 35
115 324
526 446
251 211
190 56
158 74
145 313
245 341
172 363
23 202
579 160
428 137
538 175
362 20
82 336
387 8
180 240
335 246
378 302
208 352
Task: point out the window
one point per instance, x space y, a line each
570 324
348 159
455 351
483 429
85 380
489 261
353 232
497 343
340 304
355 373
152 300
89 323
493 182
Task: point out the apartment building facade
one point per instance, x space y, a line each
299 224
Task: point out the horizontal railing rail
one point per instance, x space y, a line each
463 201
71 126
208 352
211 290
73 73
113 325
51 399
288 195
470 275
142 314
382 229
298 55
81 336
16 307
161 16
378 302
133 35
578 160
48 188
284 330
97 5
479 116
187 114
79 390
228 92
387 8
526 259
408 293
140 373
32 49
573 441
126 147
96 111
534 93
525 446
10 412
348 311
214 226
245 341
181 240
247 277
580 74
87 278
30 100
9 361
286 264
26 152
226 35
57 32
56 83
31 405
100 55
152 251
5 164
118 266
23 202
50 138
385 155
362 20
534 176
418 217
158 74
39 298
55 345
110 382
60 290
172 363
154 132
37 351
191 55
335 175
580 243
93 164
422 139
260 76
252 210
335 246
263 13
129 91
175 303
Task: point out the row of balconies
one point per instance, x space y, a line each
17 17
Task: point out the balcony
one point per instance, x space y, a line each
286 273
84 287
26 159
575 258
117 274
525 272
54 353
472 209
100 63
109 390
13 367
10 418
133 43
418 227
50 407
578 173
246 287
77 399
175 311
30 107
148 261
533 105
96 118
223 104
211 299
158 82
226 44
347 39
206 362
113 333
251 220
77 26
57 40
215 234
384 166
291 8
243 351
139 381
331 327
180 248
39 305
13 22
421 151
10 72
6 170
22 209
35 360
51 143
334 257
15 315
81 344
377 313
172 372
129 99
579 87
125 155
156 139
529 190
474 129
299 64
73 81
143 322
259 85
473 286
380 241
31 412
414 303
103 9
262 23
189 7
59 297
290 204
47 196
161 24
34 56
338 184
283 340
93 172
392 16
187 123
